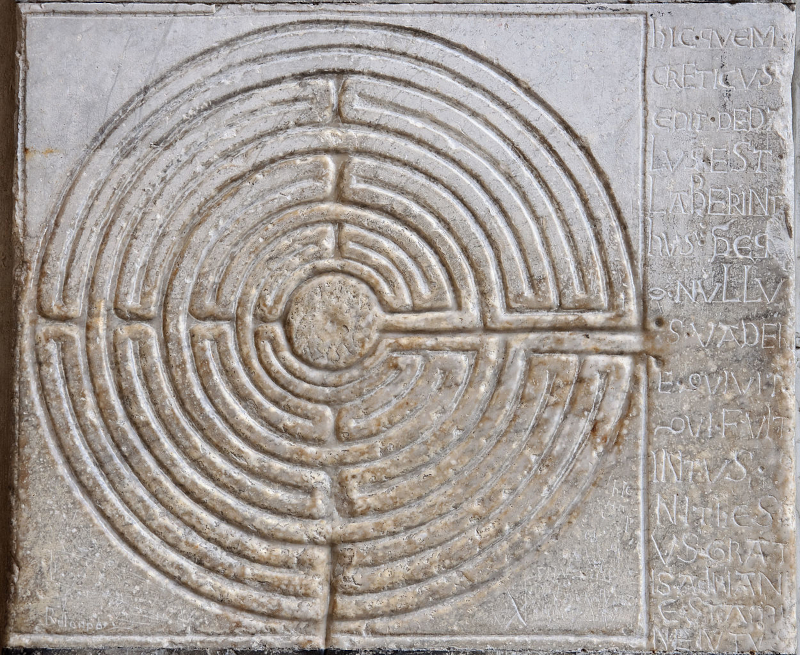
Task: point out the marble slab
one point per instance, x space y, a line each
393 326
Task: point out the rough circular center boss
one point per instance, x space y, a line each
331 321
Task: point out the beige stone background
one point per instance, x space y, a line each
7 152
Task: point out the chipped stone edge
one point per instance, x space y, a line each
122 3
337 651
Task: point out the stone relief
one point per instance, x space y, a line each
345 329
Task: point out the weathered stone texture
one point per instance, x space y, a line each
389 326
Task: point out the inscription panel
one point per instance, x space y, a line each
719 233
356 328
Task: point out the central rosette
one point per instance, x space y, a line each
331 321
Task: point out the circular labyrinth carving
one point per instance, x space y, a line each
331 321
302 317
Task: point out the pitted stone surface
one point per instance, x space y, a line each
384 327
331 321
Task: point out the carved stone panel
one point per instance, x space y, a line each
405 326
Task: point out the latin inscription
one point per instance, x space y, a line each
720 281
